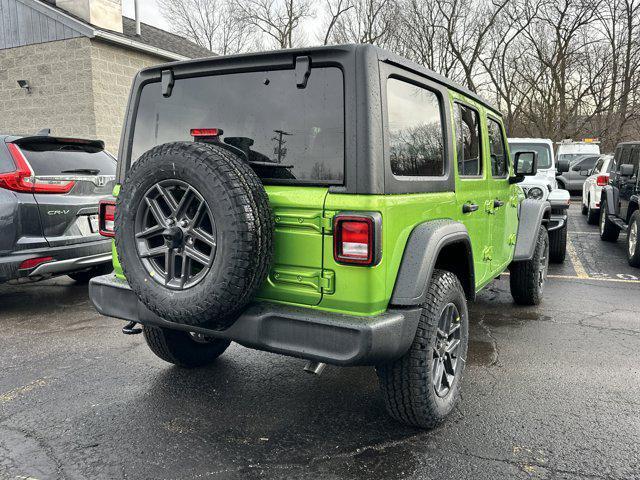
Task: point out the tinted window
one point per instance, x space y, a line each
598 167
624 156
54 159
287 133
497 150
467 122
415 130
585 164
543 151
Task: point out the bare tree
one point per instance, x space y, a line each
368 21
212 24
335 9
278 20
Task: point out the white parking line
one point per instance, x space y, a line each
583 233
597 279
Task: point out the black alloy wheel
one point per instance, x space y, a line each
175 234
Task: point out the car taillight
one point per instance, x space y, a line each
22 179
34 262
354 239
602 180
106 218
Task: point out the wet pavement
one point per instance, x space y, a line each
550 392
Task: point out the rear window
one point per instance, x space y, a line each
289 134
543 150
56 159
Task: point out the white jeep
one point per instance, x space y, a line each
543 186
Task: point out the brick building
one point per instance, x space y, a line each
79 58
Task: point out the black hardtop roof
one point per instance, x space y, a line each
382 54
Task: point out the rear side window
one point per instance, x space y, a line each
598 166
415 130
497 149
57 159
467 122
625 156
288 134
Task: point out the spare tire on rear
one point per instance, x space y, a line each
194 233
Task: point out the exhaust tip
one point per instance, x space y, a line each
315 368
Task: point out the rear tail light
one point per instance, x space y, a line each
356 239
34 262
106 218
602 180
22 179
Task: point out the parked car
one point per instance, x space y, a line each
542 186
359 245
49 193
573 179
620 200
597 178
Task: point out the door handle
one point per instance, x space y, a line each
498 203
469 207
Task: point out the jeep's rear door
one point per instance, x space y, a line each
71 176
288 124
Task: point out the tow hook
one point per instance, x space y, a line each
129 329
315 368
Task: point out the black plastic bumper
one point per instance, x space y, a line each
294 331
67 258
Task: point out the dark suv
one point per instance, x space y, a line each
620 200
50 188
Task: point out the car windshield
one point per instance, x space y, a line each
542 149
288 134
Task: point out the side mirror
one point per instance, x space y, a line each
562 167
524 163
626 170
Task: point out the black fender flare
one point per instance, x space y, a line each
634 200
609 195
421 252
531 215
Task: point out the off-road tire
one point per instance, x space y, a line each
633 251
180 348
558 245
592 215
86 275
524 278
609 231
406 383
244 223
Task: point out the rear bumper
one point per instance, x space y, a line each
66 259
294 331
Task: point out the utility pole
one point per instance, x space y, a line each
280 151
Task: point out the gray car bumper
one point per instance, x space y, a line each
295 331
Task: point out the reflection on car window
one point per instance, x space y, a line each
285 132
467 121
415 130
499 163
543 151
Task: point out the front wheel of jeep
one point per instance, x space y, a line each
633 240
527 278
422 387
184 349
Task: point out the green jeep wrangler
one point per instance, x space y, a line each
336 204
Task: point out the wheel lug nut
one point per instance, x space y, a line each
184 223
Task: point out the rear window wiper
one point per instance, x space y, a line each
87 171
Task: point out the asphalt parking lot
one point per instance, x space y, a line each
550 392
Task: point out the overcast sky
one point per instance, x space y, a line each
149 12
